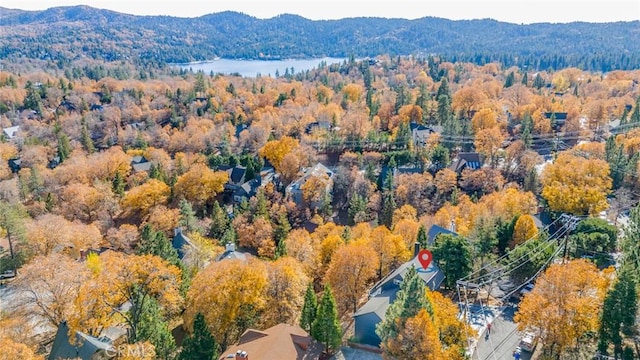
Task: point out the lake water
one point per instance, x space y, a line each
251 68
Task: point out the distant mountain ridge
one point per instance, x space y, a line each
68 33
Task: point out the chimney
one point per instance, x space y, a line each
177 231
242 355
452 227
416 249
230 247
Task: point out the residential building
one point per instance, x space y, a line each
140 164
85 347
466 160
420 133
181 243
230 253
294 190
280 342
10 132
384 293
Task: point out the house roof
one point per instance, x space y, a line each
378 303
139 167
436 230
319 170
470 160
249 188
138 159
180 242
280 342
10 132
558 115
85 348
237 173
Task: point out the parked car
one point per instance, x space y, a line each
528 342
7 275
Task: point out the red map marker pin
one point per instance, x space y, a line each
425 257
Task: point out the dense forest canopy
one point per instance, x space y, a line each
67 33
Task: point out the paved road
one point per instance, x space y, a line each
502 341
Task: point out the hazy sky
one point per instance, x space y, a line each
515 11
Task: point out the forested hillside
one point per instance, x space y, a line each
67 33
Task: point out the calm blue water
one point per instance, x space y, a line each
251 68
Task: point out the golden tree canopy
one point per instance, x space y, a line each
564 305
142 198
227 293
525 228
576 185
200 184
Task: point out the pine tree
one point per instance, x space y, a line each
156 243
220 222
422 238
388 202
525 79
188 219
117 184
199 344
154 329
527 129
453 256
309 309
357 205
635 115
618 313
281 231
410 299
326 326
538 82
85 138
510 79
64 148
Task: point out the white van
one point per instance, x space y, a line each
528 342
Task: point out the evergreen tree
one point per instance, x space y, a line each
154 329
538 82
220 222
445 113
64 148
326 326
619 313
422 238
188 219
635 115
156 243
357 207
117 184
280 233
309 309
199 344
388 201
440 157
527 129
85 138
157 172
453 255
525 79
410 299
261 209
509 80
32 100
617 160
